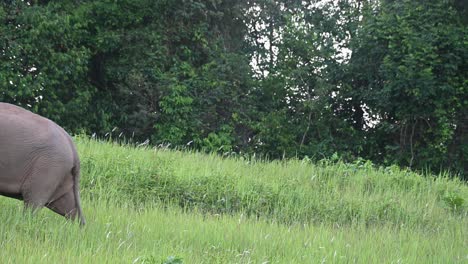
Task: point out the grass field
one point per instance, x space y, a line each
148 205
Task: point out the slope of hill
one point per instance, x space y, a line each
145 205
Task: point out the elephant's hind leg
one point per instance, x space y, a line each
65 205
40 185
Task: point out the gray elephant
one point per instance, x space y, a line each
39 163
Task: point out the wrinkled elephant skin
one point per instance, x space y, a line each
39 163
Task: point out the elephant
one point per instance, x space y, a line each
39 163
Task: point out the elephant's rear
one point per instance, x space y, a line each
76 177
37 153
22 134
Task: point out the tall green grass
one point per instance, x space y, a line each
145 205
121 234
293 191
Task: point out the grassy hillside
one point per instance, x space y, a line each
145 205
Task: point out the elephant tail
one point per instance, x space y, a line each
76 191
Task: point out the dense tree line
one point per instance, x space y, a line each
381 80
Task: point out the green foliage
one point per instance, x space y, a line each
415 86
153 260
43 66
454 200
175 108
380 80
220 141
173 260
